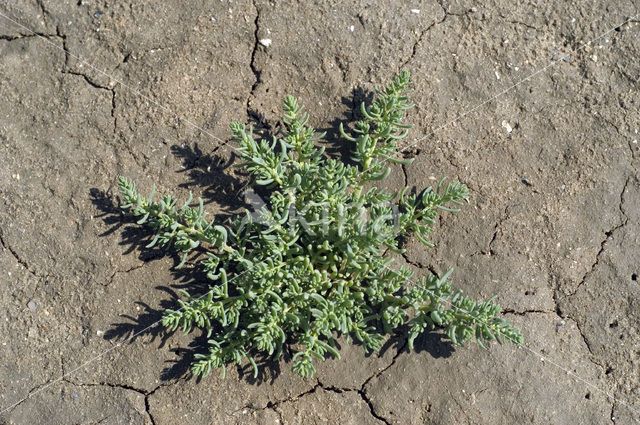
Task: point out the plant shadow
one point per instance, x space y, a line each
336 146
147 323
213 173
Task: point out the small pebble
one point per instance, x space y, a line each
97 14
352 28
32 305
213 19
266 42
594 58
507 126
99 332
416 11
497 75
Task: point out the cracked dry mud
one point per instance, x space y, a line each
94 89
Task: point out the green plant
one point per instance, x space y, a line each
310 265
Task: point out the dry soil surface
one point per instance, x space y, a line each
534 105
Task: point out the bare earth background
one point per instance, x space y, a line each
552 226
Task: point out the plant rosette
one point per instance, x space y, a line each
310 264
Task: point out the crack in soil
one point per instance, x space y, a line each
88 80
113 111
66 70
633 154
273 405
64 47
252 64
457 403
608 235
106 384
362 395
280 417
393 362
555 294
111 90
404 174
147 407
362 391
496 229
116 272
31 35
64 378
592 357
98 86
359 391
524 24
145 393
466 14
371 408
414 50
611 123
414 264
19 259
433 271
525 312
40 4
33 390
617 128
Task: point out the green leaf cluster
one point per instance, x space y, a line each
311 264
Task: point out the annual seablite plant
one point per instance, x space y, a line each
312 263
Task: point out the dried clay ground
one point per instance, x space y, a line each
533 105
